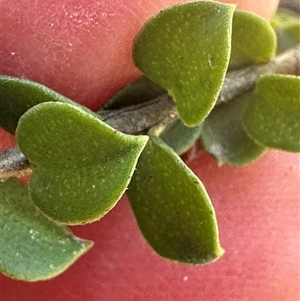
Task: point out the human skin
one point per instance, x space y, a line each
81 48
257 206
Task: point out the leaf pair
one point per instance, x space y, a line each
75 185
53 184
82 167
164 52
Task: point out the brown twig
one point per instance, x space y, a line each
13 164
139 118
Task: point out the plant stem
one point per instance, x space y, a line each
242 81
139 118
13 164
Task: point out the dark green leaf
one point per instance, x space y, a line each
273 117
32 246
172 207
138 91
178 136
82 165
223 134
185 49
17 95
253 40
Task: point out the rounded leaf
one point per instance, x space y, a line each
185 49
17 95
81 165
32 246
273 117
253 40
172 207
224 136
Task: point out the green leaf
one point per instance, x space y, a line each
185 49
273 117
178 136
223 134
172 207
288 36
287 27
253 40
284 16
32 246
17 95
81 165
138 91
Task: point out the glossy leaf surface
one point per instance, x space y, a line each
17 95
253 40
185 49
223 134
172 207
32 246
82 165
273 117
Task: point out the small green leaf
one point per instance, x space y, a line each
32 246
223 134
287 27
138 91
82 166
185 49
288 36
172 207
284 16
273 117
178 136
17 95
253 40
